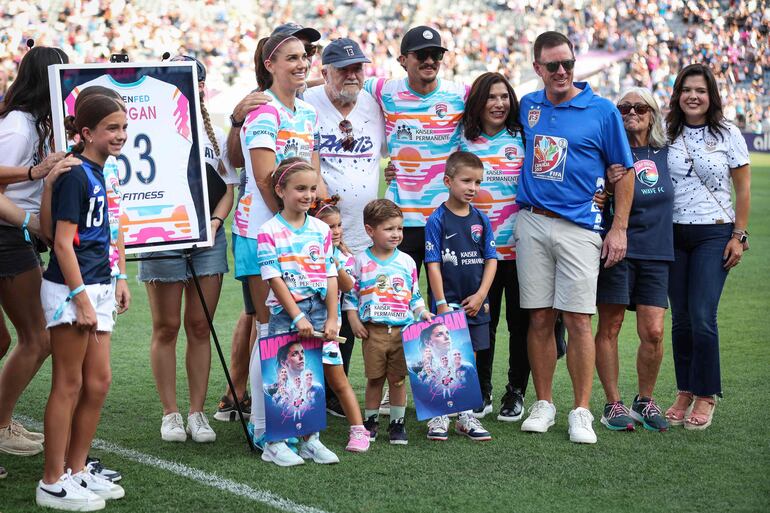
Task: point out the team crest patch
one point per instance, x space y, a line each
511 152
533 116
441 109
476 231
427 34
646 172
315 252
550 157
397 283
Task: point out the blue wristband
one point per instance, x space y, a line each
121 276
441 302
73 293
294 321
24 227
455 306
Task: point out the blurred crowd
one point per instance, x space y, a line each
483 35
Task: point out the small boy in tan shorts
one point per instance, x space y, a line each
386 297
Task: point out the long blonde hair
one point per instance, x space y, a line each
656 136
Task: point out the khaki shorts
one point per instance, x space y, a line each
557 263
383 352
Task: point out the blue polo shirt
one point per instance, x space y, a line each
462 245
568 148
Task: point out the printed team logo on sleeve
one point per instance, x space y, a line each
533 116
550 157
476 231
428 245
646 172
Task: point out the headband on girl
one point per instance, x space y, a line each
325 205
279 45
280 178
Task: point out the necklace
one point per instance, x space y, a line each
636 159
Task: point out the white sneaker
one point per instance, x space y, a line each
581 430
280 454
68 495
313 449
172 428
385 403
438 428
542 415
29 435
198 428
100 486
13 441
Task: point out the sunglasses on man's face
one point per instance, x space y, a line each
434 53
346 127
553 67
639 108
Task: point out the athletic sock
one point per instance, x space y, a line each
397 412
368 414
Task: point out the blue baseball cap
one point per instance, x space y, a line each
295 29
343 52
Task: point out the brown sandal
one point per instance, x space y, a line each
678 411
699 420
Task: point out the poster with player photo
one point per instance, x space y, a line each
442 368
293 377
161 171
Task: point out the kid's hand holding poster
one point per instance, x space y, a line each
292 373
442 369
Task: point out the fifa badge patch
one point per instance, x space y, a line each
533 116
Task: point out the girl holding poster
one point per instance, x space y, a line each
168 280
296 259
79 299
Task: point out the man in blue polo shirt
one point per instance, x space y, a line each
572 136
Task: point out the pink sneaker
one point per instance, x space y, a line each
359 439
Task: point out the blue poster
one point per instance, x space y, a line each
442 368
293 377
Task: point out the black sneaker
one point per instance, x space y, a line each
245 405
512 408
226 411
333 407
397 432
372 426
484 408
645 411
617 417
95 467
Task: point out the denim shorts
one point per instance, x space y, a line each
314 309
634 281
17 256
207 262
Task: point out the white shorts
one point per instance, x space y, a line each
102 297
557 263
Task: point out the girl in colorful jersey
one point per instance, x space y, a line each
280 129
169 280
296 259
79 299
329 213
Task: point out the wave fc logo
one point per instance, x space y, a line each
476 231
315 252
646 172
441 109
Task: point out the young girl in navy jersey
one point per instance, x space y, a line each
334 372
79 299
296 259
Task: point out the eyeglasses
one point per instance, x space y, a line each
311 50
346 127
434 53
639 108
553 67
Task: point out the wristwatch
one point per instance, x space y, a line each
742 235
234 123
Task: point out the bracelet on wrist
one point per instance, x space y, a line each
121 276
29 174
441 302
294 321
74 292
24 227
221 221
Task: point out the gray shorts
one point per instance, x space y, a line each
207 262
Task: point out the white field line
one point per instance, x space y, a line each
200 476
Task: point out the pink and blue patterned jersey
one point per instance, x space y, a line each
502 155
386 291
288 133
421 132
346 262
302 257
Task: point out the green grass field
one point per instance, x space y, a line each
717 470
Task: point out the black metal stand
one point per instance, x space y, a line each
187 255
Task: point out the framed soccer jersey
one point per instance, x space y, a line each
161 170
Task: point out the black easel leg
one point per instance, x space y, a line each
188 258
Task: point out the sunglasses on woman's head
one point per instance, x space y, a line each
346 127
553 66
434 53
639 108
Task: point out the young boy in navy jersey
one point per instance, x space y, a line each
461 261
